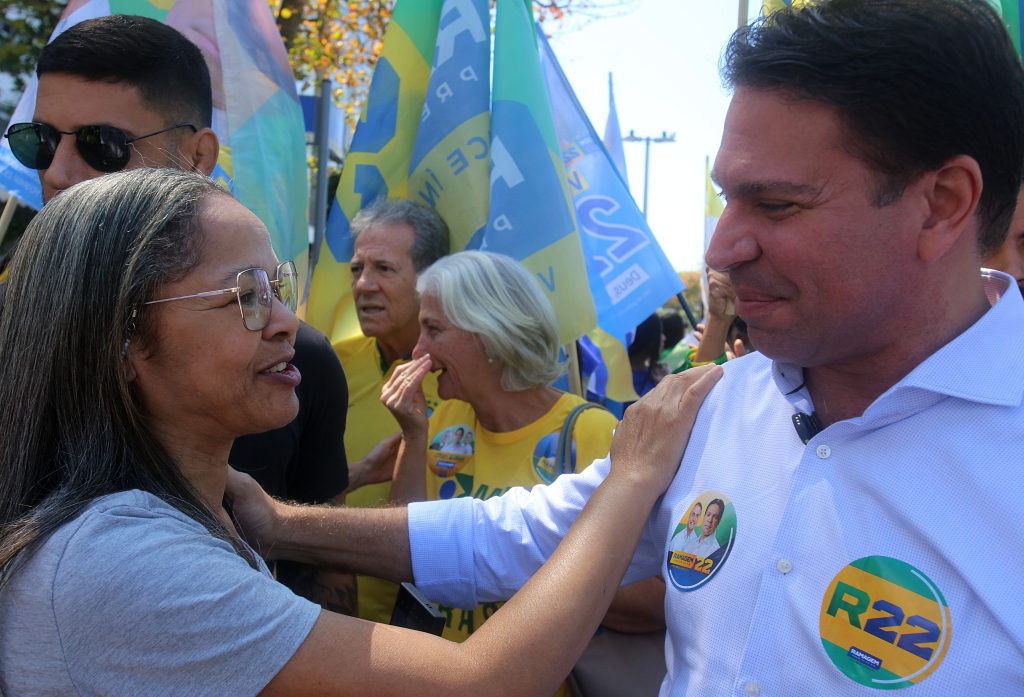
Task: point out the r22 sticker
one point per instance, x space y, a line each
702 540
884 624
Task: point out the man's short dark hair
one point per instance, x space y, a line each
721 507
166 68
431 239
915 83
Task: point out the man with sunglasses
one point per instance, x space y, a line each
122 92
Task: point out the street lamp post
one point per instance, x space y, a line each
647 140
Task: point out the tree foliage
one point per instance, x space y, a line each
342 40
25 26
334 39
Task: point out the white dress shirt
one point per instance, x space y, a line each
888 551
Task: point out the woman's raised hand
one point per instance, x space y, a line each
403 396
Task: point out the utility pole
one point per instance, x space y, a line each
647 140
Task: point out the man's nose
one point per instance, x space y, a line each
365 281
733 242
67 169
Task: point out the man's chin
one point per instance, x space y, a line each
374 325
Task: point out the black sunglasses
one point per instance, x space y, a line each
104 148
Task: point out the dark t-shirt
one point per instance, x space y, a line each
305 460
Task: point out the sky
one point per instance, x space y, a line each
663 55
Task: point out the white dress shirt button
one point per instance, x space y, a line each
784 566
823 451
751 689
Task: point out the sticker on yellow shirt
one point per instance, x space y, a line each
451 450
702 541
884 624
545 458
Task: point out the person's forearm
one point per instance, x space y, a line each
372 541
712 344
615 515
410 480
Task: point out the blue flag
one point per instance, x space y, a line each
628 273
451 158
531 213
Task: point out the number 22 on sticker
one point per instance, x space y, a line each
854 602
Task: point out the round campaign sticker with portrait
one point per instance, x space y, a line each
702 540
450 450
884 624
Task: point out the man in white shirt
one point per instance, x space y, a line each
871 157
682 541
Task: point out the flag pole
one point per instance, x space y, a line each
321 139
7 216
573 369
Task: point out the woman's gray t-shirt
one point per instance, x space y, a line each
132 597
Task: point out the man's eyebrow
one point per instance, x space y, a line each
773 186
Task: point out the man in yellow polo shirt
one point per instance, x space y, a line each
394 241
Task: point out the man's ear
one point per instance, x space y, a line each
201 151
952 193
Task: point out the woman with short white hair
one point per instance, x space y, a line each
489 331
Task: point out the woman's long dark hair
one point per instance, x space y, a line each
71 425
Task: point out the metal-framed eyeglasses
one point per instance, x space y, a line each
255 293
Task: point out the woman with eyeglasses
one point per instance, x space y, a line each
148 323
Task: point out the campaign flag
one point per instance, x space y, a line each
627 271
613 135
256 112
377 163
450 166
713 205
713 209
532 217
1011 11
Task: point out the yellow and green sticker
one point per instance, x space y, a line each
884 623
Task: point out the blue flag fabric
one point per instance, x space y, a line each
628 273
531 214
450 166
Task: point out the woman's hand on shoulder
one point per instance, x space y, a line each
652 436
253 511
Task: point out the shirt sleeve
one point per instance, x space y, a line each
146 603
466 551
